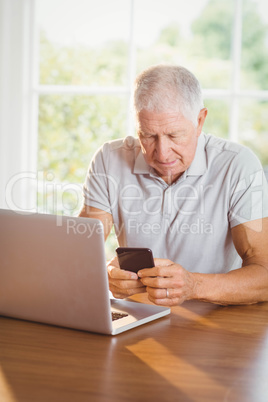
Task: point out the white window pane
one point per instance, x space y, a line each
71 128
254 63
83 42
253 127
217 121
196 34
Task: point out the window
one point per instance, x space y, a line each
70 87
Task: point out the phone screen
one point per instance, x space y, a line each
134 259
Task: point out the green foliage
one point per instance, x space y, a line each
217 120
214 27
78 65
214 30
254 48
253 128
170 35
71 128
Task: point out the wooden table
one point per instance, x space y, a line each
201 352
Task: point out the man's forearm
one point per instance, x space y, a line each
245 285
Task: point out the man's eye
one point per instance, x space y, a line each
148 136
180 139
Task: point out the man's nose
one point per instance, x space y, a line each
162 149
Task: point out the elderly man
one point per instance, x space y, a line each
199 202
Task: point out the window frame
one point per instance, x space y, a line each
19 71
233 95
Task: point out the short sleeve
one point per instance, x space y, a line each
249 189
95 189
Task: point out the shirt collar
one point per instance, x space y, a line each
199 164
141 166
197 167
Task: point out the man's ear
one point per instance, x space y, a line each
201 120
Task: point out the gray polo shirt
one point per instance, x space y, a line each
189 221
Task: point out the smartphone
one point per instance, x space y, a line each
134 258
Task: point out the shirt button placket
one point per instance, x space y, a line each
167 202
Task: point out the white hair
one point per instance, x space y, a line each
167 88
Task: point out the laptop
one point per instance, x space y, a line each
53 270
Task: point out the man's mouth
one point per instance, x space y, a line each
167 164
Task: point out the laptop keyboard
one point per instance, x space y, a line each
117 316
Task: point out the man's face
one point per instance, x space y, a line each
168 141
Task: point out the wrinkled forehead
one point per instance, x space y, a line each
166 122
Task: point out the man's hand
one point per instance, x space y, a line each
123 283
167 283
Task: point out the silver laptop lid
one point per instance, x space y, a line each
53 270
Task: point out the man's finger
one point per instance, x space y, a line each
157 282
117 273
162 271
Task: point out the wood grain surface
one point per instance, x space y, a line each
201 352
